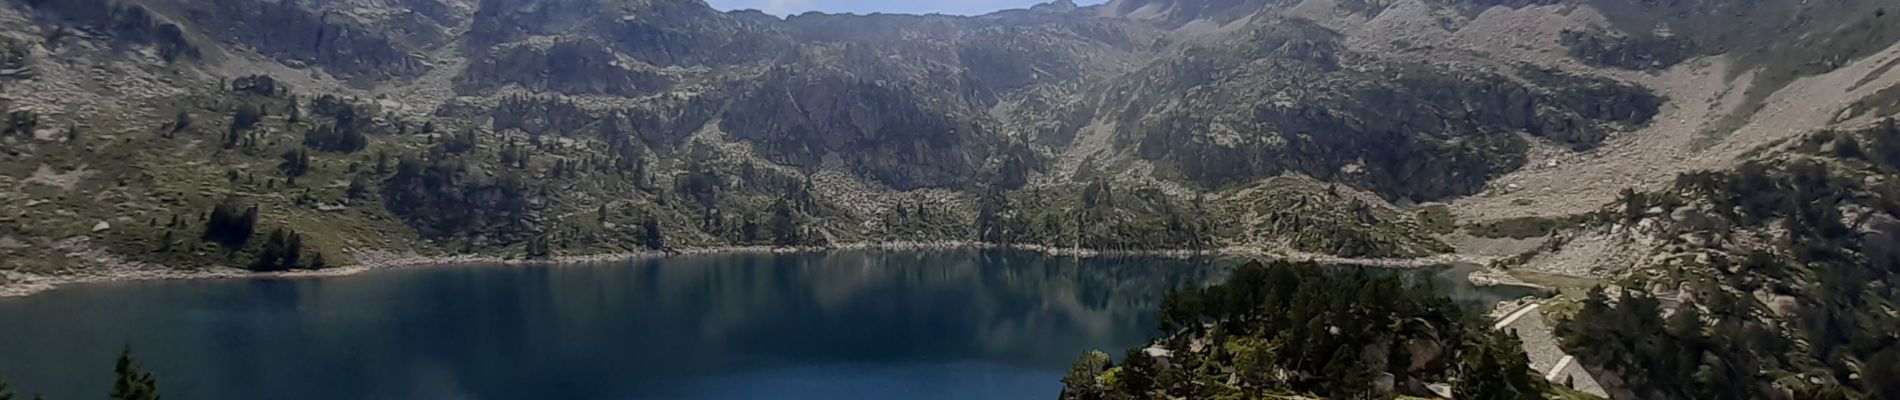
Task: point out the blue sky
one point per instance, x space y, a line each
960 7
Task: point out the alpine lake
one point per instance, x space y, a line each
861 324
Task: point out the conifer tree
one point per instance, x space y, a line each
652 234
165 243
1138 373
228 226
784 224
1346 376
1080 382
132 383
181 123
1496 368
296 163
295 112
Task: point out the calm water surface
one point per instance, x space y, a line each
844 325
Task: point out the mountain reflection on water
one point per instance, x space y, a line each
852 324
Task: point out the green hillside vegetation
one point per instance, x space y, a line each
261 176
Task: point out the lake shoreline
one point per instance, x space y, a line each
115 270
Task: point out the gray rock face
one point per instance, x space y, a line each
1178 12
1639 52
339 44
1288 97
580 67
657 32
901 133
1215 92
540 116
926 101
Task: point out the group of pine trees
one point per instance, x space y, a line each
130 383
230 225
20 123
284 250
1288 328
233 229
335 138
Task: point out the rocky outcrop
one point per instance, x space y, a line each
570 67
674 32
122 22
540 116
448 200
657 32
1638 52
1288 98
1175 13
298 36
904 133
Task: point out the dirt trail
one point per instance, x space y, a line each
1546 356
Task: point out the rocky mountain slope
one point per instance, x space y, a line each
497 124
156 137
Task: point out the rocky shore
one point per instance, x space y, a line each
115 269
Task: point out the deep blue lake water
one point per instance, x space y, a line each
843 325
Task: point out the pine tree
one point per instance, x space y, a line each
358 189
382 164
749 230
181 123
293 250
1138 373
784 224
246 117
652 234
1849 147
165 243
1635 205
5 393
1080 382
1346 376
296 111
132 384
296 163
1496 368
989 218
272 255
229 227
